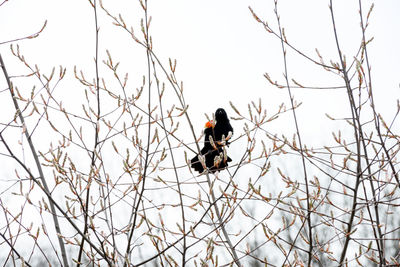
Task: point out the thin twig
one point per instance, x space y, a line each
146 160
31 36
94 153
357 136
308 219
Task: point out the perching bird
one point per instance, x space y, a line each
214 151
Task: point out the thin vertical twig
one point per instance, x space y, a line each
357 136
377 127
308 218
184 250
146 160
96 137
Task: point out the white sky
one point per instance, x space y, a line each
222 51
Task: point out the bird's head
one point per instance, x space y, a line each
220 115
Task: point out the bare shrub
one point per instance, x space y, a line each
105 179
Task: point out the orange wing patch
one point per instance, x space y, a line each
209 124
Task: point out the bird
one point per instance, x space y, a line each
216 137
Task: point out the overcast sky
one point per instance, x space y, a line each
222 51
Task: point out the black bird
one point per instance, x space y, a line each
216 137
